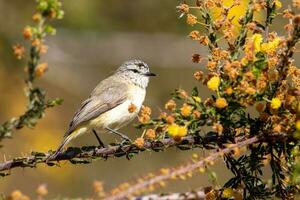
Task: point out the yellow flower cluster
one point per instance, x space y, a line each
256 40
176 131
214 83
278 4
275 103
267 47
270 47
297 125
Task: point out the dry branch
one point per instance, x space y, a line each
198 194
140 186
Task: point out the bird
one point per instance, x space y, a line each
107 108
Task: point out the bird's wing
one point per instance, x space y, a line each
104 99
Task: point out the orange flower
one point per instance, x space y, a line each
183 94
170 119
186 110
170 105
163 115
196 58
195 35
144 119
27 33
146 110
19 51
183 8
41 69
211 65
196 114
204 40
221 103
191 19
132 108
139 142
229 91
218 127
36 42
277 128
150 133
250 90
37 17
198 75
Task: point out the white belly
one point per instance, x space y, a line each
120 116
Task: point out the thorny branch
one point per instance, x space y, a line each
198 194
180 171
87 154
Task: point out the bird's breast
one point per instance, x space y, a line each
120 115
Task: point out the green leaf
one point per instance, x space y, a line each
54 102
50 29
256 71
195 91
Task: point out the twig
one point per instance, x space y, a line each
198 194
86 154
179 171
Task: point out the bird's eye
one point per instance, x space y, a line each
140 64
135 70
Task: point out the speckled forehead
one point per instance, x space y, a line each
139 64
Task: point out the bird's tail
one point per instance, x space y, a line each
59 149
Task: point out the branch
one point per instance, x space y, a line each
182 170
198 194
86 154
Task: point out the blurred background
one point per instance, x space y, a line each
92 40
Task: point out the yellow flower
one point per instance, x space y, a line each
270 46
244 61
278 4
37 17
275 103
176 131
257 39
197 99
297 125
186 110
221 103
213 83
234 13
228 193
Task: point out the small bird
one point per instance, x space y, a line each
107 108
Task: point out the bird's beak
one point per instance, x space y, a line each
149 74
